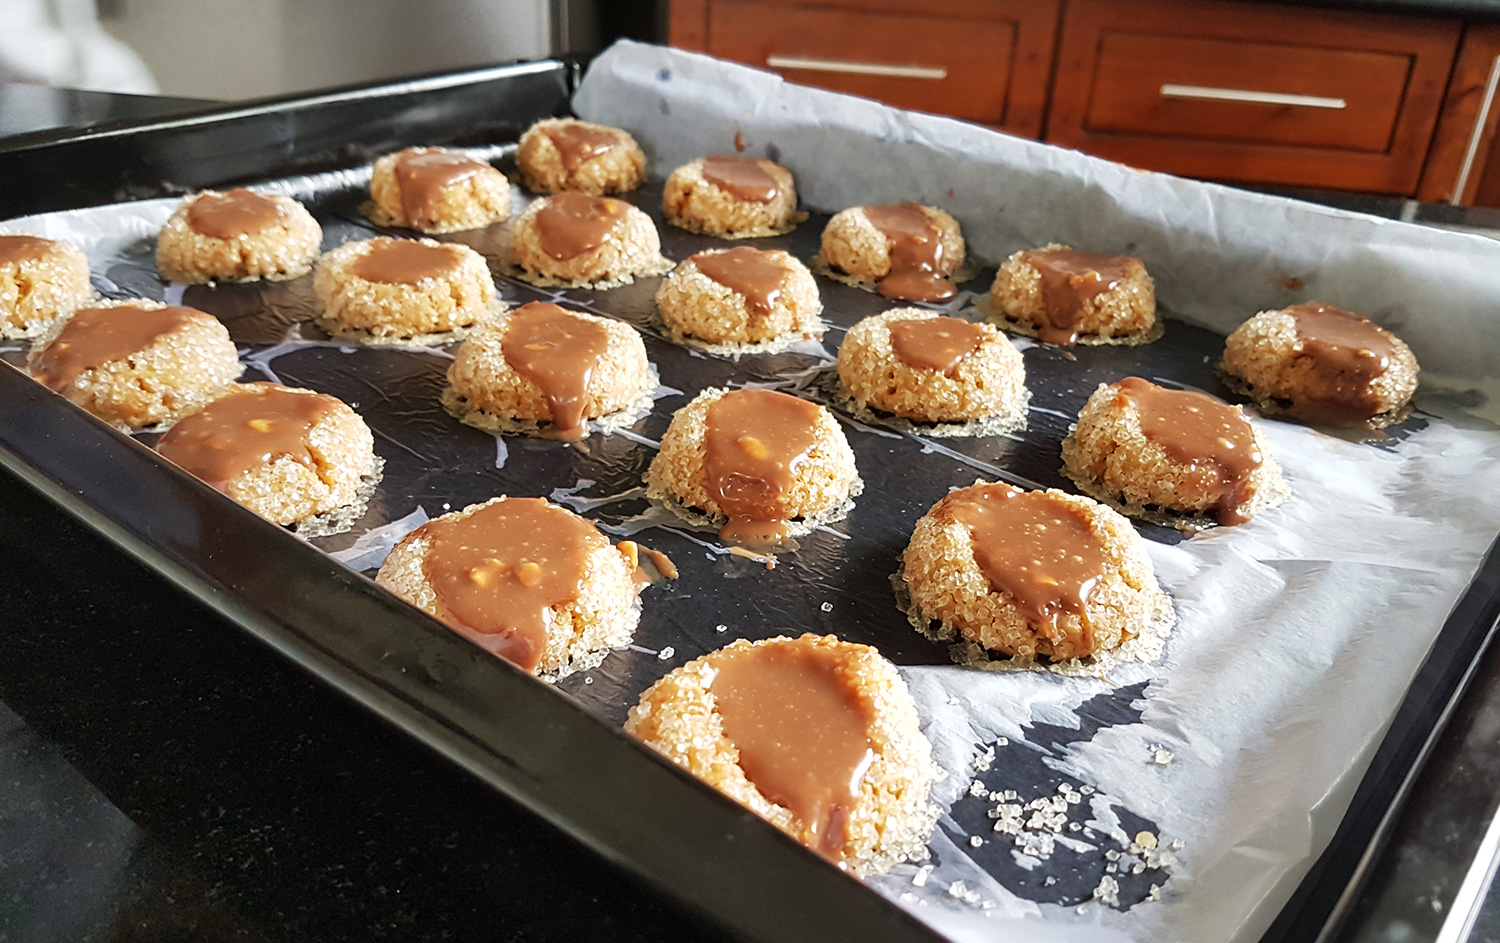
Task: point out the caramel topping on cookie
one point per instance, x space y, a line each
802 732
558 351
752 273
741 177
1070 279
935 343
1034 548
578 144
423 175
572 223
230 215
246 430
916 253
1195 429
1349 353
499 572
753 442
93 337
403 262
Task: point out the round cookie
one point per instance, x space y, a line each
926 368
1322 364
1035 574
906 249
291 455
769 464
732 198
136 363
567 154
1063 296
541 363
817 736
529 581
576 240
1145 449
238 236
400 290
741 296
433 190
41 280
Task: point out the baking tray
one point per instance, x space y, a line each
550 752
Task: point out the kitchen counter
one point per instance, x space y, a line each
163 776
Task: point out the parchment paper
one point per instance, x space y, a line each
1297 633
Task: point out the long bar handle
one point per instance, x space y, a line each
857 68
1476 135
1207 93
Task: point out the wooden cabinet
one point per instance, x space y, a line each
982 60
1463 165
1219 89
1238 91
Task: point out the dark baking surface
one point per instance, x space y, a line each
36 109
286 813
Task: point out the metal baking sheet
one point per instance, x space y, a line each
837 581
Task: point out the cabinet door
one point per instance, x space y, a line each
981 61
1464 164
1239 91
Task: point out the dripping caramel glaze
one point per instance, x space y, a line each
571 223
246 430
1070 280
935 343
754 274
499 572
559 352
577 144
801 729
93 337
916 253
423 175
754 441
1037 550
1195 429
1348 353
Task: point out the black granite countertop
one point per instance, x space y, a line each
164 777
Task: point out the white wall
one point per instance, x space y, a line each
233 49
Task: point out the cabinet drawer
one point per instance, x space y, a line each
985 62
1243 92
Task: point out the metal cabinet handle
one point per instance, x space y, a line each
1476 134
1253 97
857 68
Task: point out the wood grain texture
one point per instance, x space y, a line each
997 54
1114 55
1461 107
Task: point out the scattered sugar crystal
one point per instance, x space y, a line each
827 607
1145 841
447 506
1176 844
665 653
953 701
1049 881
975 841
957 889
721 628
1112 855
907 897
1138 867
1111 868
1086 790
1010 795
1108 891
588 679
1081 910
1160 755
920 878
1002 742
984 760
977 788
1154 893
1074 826
971 897
1064 787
